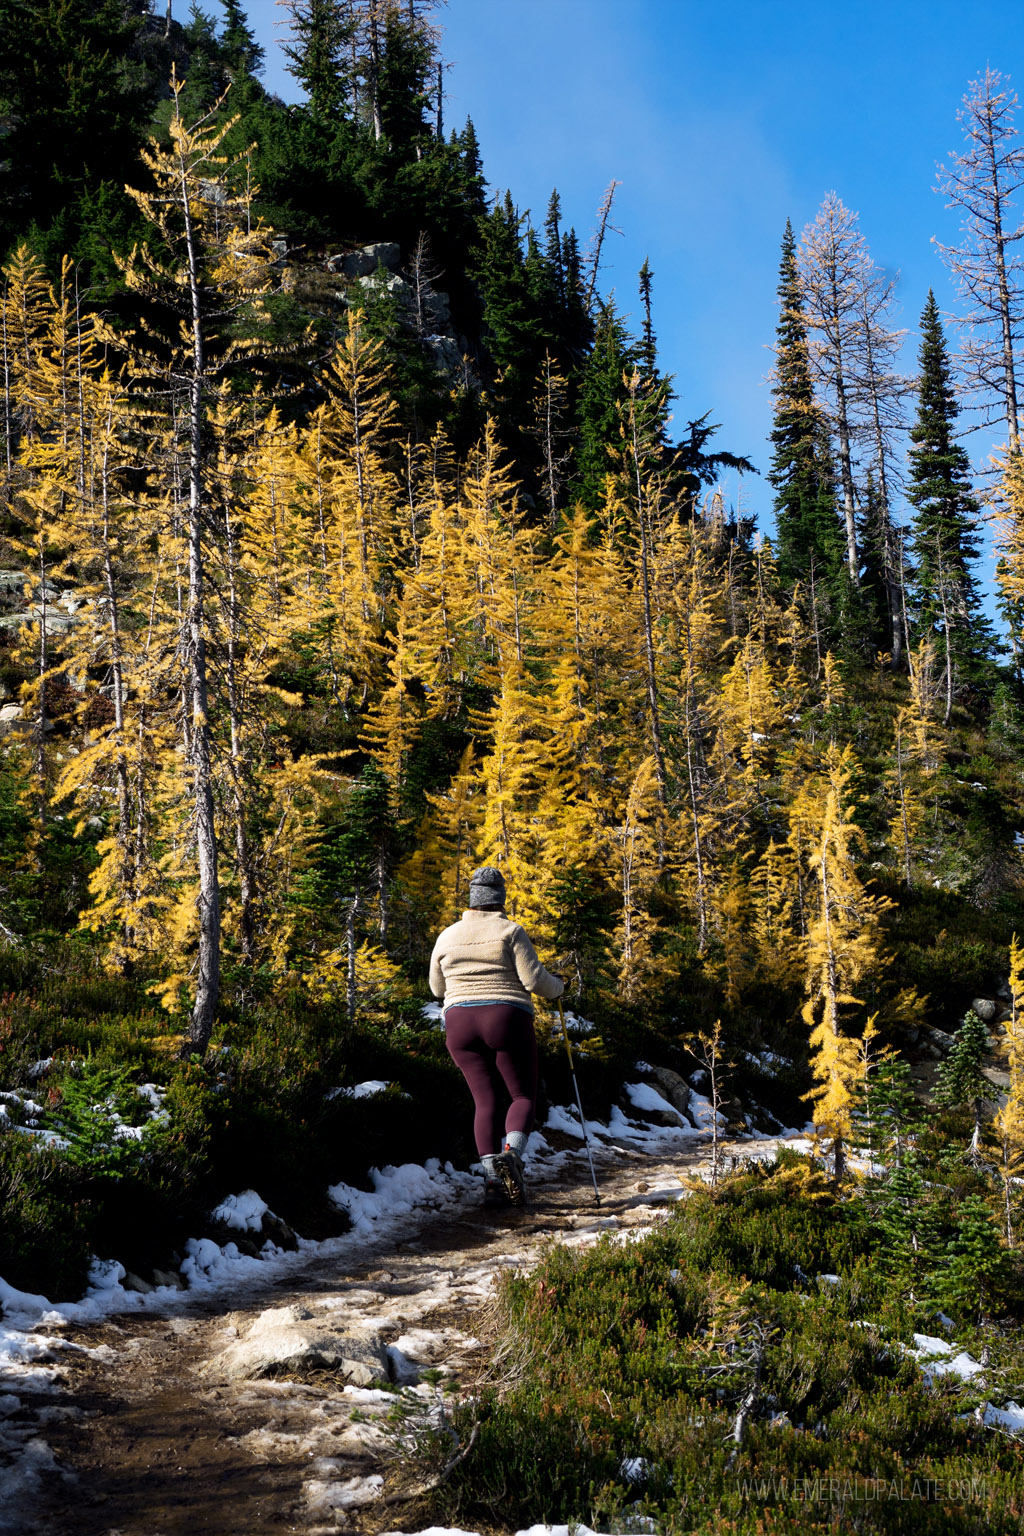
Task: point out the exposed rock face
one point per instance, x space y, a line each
286 1341
364 262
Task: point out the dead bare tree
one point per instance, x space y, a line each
422 275
981 183
553 433
604 224
834 269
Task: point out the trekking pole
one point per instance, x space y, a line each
579 1101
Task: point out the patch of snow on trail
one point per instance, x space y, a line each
701 1112
643 1096
244 1212
367 1090
399 1191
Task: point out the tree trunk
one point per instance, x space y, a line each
350 950
208 968
885 517
948 642
846 476
374 72
239 765
1003 287
129 871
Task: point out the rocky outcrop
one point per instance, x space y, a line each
422 310
291 1341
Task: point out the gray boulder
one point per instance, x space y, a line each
445 354
985 1008
675 1088
287 1341
364 262
171 1278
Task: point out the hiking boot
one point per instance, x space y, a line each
494 1194
510 1170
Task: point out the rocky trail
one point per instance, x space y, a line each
283 1406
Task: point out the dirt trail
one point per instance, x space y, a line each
146 1445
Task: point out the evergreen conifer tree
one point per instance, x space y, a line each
74 107
962 1084
241 52
974 1263
808 521
945 539
318 55
553 244
602 395
909 1224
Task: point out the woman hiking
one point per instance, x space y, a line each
485 968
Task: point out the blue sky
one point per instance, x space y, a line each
720 121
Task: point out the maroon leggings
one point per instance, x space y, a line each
495 1049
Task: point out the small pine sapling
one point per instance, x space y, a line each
908 1225
962 1084
707 1051
974 1262
894 1111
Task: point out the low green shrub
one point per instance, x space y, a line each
735 1370
45 1242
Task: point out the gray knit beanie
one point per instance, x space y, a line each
487 887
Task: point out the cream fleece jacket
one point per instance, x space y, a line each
485 955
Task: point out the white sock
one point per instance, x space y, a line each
516 1141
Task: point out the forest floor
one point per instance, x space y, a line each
137 1432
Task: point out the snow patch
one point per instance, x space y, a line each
244 1212
1009 1416
643 1096
398 1191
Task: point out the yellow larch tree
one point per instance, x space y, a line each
1008 515
842 947
202 285
365 528
435 875
903 782
496 560
772 895
393 720
637 963
1009 1121
25 310
438 611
